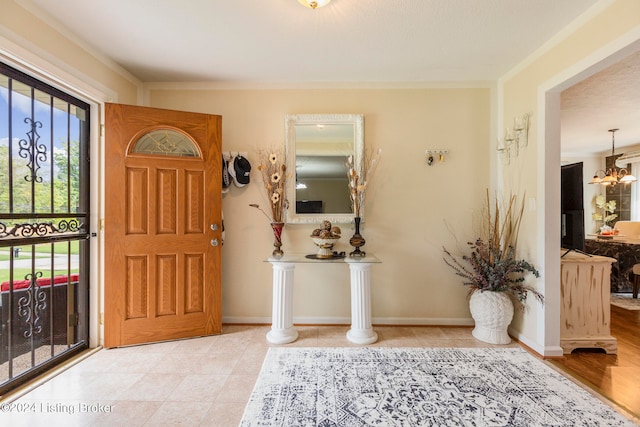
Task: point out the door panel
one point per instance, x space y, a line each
163 277
167 196
136 287
194 207
137 201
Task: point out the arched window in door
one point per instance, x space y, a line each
166 142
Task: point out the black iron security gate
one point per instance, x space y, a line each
44 226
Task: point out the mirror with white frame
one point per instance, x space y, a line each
318 147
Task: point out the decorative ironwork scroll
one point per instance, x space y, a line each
40 229
30 150
32 305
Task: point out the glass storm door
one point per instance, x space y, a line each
44 226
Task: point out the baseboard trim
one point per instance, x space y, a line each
397 321
543 351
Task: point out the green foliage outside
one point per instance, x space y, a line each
30 197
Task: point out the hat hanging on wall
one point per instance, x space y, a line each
226 179
239 170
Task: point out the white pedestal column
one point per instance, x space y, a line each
282 330
361 331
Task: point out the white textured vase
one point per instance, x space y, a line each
492 312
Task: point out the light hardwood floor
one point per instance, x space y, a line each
616 376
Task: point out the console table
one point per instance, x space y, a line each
282 330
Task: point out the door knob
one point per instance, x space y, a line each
214 227
214 242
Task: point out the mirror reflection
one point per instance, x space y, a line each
322 152
320 146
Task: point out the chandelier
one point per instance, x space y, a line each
314 4
612 176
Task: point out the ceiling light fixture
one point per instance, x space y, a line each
314 4
612 176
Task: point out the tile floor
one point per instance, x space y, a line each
196 382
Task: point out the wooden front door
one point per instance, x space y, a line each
162 225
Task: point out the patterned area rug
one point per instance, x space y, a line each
625 301
418 387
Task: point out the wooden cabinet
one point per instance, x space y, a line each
585 313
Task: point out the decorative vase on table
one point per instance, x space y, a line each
357 241
277 236
492 313
606 230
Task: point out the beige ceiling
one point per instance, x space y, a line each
607 100
400 42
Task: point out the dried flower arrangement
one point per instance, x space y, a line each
274 178
359 177
492 265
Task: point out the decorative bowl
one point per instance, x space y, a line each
325 245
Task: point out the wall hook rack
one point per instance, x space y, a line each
228 155
435 154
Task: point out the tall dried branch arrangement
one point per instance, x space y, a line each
492 264
360 176
500 227
272 167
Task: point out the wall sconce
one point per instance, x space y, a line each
612 176
516 137
435 154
